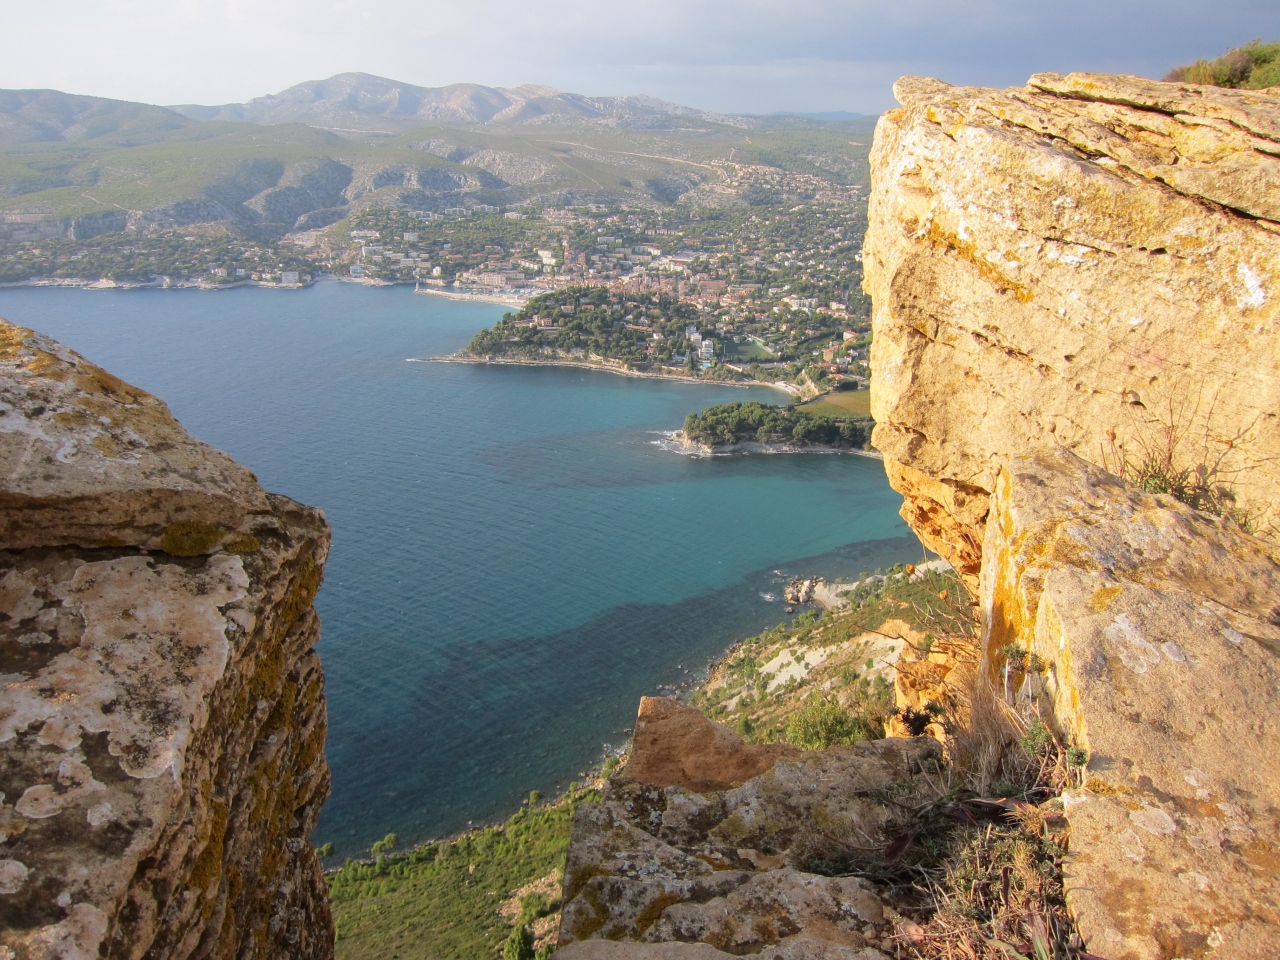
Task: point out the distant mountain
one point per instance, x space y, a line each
360 102
34 116
81 166
834 115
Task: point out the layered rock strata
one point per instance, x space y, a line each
162 716
1087 261
696 867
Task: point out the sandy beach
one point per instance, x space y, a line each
509 301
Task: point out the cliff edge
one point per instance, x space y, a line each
1089 262
162 722
1075 285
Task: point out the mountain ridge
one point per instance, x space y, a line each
362 102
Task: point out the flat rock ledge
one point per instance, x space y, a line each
1160 626
162 715
686 858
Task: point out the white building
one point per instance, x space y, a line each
707 350
289 276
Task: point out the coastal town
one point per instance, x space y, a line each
766 267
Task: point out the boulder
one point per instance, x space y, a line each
92 461
675 745
673 870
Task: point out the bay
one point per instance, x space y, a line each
515 560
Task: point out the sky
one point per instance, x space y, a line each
738 56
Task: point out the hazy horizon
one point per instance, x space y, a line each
751 56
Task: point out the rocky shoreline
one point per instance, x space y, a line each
682 444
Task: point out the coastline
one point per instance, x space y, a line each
164 283
678 443
508 301
590 365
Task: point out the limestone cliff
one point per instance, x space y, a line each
1089 261
1068 277
162 715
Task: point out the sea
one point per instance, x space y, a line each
517 557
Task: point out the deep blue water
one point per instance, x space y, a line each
514 562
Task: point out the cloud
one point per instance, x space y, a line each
736 55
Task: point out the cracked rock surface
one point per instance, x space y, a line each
162 715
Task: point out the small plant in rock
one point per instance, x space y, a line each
917 721
1077 756
1037 737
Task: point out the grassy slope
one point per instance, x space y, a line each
152 170
440 902
739 695
843 403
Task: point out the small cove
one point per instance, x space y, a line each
515 559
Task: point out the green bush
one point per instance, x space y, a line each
1254 66
821 723
519 945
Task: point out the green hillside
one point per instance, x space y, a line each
93 165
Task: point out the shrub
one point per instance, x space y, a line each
1254 66
820 723
519 945
385 845
325 850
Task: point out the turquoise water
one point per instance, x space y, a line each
515 562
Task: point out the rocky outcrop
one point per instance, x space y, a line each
1068 278
1088 261
162 721
688 855
1159 628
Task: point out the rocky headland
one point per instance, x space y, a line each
162 720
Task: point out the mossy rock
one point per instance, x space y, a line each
190 538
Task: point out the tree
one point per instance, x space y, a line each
386 844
